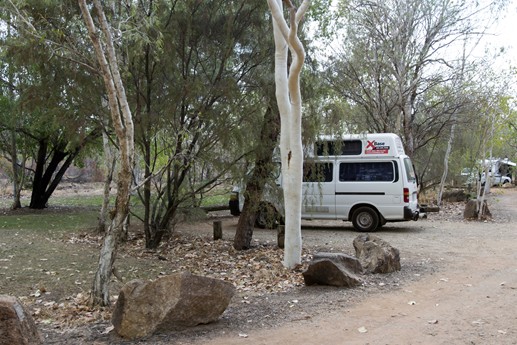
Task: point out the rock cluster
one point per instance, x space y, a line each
373 255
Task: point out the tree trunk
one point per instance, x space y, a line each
246 223
488 167
147 190
167 202
111 160
445 165
453 129
255 187
157 233
288 95
18 170
408 127
48 174
17 173
124 129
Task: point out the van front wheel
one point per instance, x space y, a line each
365 219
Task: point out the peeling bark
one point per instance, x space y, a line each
111 160
124 130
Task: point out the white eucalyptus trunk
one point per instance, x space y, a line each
488 180
287 81
111 162
124 129
458 86
446 164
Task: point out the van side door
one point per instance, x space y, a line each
319 198
370 182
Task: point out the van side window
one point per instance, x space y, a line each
317 172
367 171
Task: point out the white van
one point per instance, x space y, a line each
366 179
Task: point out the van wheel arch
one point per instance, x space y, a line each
366 218
267 216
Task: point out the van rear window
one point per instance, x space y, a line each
410 172
339 148
367 171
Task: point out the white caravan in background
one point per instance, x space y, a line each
500 171
364 178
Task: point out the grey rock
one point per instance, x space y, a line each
170 303
376 255
333 269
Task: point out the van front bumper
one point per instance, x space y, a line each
233 204
410 214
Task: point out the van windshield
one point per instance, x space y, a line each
410 173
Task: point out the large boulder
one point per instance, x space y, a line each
376 255
333 269
16 324
170 303
471 211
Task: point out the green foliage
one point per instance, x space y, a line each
505 138
199 79
56 100
194 73
49 220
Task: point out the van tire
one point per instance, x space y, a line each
365 219
234 207
267 216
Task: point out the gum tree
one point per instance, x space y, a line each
123 124
287 81
398 58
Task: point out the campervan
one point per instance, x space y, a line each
499 170
366 179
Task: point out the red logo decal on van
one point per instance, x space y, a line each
372 147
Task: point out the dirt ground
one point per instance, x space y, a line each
469 297
458 285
